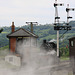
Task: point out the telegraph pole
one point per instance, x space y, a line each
57 23
31 24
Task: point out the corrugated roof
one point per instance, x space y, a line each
22 33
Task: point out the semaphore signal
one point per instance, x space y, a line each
67 10
57 23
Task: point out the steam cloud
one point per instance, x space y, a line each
35 61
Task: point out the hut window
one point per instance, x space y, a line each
72 43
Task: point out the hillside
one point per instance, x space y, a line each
43 31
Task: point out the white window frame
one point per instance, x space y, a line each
72 43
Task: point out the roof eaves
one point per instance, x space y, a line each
32 34
71 38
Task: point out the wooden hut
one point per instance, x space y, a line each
72 47
72 53
21 35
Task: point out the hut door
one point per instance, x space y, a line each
19 43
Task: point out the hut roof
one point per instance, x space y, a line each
21 33
71 38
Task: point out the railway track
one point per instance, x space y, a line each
58 66
61 68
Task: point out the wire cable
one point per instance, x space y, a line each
63 34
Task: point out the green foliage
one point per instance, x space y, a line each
44 32
5 47
64 51
1 30
64 58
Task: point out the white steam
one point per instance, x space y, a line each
34 61
53 40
